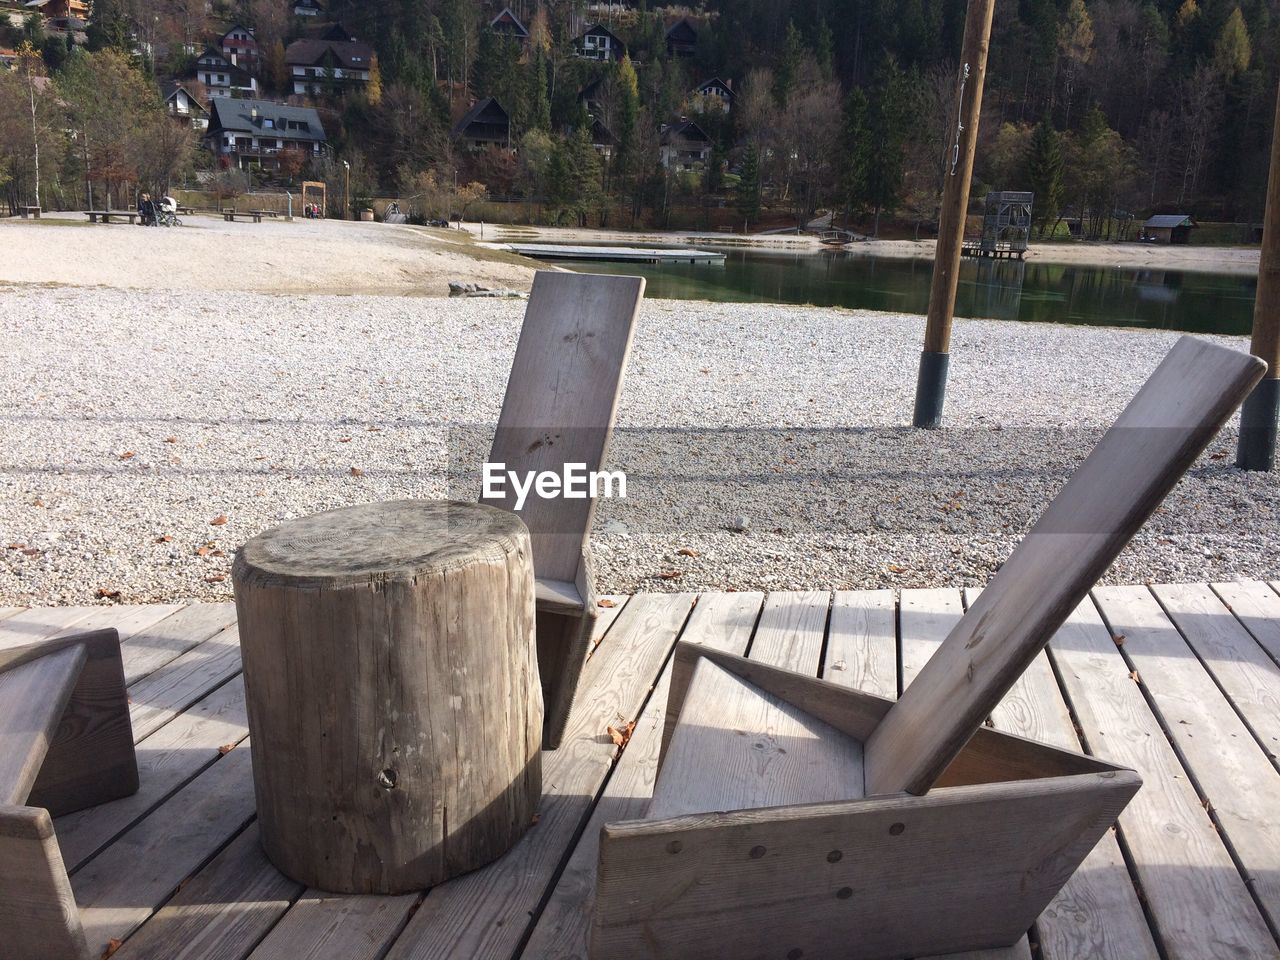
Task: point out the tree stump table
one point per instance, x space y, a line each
392 688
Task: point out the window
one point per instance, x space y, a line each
269 124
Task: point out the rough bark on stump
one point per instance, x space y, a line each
392 687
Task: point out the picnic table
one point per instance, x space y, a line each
29 211
105 216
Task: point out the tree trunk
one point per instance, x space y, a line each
393 695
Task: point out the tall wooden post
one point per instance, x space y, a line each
1256 449
931 385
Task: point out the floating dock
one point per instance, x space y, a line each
999 251
551 251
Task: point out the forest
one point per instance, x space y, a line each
1109 110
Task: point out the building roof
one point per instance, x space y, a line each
684 130
486 111
349 54
714 82
233 28
601 29
169 89
507 22
326 31
307 5
682 31
1167 220
248 116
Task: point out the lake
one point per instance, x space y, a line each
998 289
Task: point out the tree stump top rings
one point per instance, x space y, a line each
400 539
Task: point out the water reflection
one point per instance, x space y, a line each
998 289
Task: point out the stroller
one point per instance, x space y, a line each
167 213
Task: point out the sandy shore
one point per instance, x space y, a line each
1235 260
275 256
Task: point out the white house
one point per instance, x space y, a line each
256 132
179 103
321 66
222 78
599 43
683 146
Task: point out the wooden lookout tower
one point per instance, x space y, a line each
1006 226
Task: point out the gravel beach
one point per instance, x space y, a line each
149 432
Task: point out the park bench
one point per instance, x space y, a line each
778 794
559 408
30 211
106 216
273 214
66 743
231 215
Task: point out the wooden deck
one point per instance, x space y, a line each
1180 682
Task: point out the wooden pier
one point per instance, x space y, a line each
1179 682
1001 251
553 251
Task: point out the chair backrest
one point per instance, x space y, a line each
561 400
1158 436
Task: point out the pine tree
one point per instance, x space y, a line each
889 118
855 153
1045 174
1232 50
789 64
374 89
748 190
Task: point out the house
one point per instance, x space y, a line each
508 25
1168 228
307 8
599 43
180 103
602 139
8 59
247 133
51 9
485 125
222 78
714 94
239 46
589 95
322 66
683 145
327 31
682 39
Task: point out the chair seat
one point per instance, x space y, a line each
33 697
558 596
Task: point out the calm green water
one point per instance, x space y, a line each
1003 290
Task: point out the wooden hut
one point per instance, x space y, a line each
1168 228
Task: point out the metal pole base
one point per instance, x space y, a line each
1258 420
931 389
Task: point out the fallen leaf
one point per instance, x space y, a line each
621 736
226 748
37 502
671 574
217 553
259 458
128 455
688 552
31 552
1218 456
357 472
894 568
164 539
106 593
536 818
1119 639
170 439
375 429
219 520
1133 675
606 603
17 546
344 439
216 578
113 945
204 550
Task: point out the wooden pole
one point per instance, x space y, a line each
1256 449
931 385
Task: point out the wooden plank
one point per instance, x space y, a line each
128 620
1226 763
1194 895
6 612
791 630
37 911
1097 913
1242 668
612 606
1257 606
40 623
161 696
33 696
485 914
221 912
862 645
736 747
150 649
331 925
926 617
723 621
1164 428
167 760
122 886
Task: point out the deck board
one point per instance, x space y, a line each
177 872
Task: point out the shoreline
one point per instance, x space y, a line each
1236 261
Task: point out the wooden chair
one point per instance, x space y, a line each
868 829
65 744
562 396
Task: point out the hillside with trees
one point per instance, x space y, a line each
1107 109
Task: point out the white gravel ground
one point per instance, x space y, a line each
133 421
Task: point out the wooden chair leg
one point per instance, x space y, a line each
563 643
37 909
